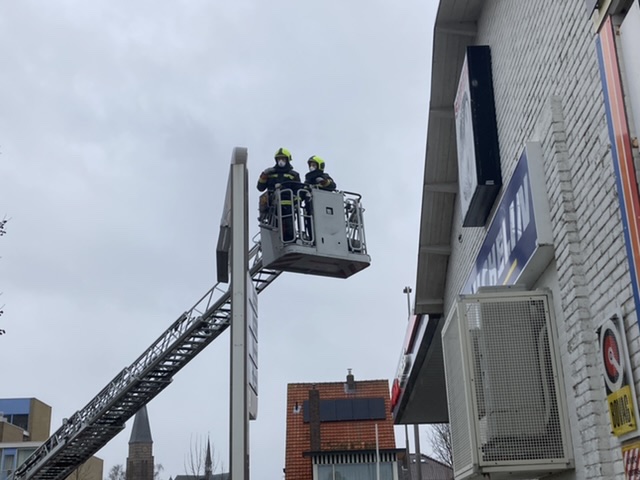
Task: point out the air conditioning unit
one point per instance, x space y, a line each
505 395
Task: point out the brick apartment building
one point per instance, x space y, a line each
24 426
340 430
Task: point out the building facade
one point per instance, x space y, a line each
24 426
340 430
556 225
430 469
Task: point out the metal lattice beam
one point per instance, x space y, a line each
90 429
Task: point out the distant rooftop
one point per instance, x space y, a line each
216 476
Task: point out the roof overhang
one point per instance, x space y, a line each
423 400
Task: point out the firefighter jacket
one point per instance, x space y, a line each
320 179
274 175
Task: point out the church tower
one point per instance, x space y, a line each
208 464
140 459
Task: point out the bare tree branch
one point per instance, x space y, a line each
157 470
116 473
195 461
440 437
3 223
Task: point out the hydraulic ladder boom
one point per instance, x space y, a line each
91 428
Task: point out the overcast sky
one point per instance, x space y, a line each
117 123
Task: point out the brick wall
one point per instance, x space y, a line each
140 462
547 89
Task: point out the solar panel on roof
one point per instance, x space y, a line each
348 409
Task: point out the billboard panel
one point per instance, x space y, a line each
479 173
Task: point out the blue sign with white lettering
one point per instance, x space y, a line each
512 238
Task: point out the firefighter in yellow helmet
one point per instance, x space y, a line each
317 176
281 175
282 172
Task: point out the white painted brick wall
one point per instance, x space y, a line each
547 88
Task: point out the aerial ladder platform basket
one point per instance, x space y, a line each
308 230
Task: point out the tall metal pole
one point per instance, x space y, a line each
406 442
377 455
239 414
416 433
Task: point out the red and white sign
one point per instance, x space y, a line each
631 459
415 328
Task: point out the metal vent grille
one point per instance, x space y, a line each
457 396
352 457
516 395
504 393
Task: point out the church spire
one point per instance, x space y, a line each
141 432
208 464
140 460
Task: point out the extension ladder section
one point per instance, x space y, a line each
91 428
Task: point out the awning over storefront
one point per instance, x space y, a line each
422 396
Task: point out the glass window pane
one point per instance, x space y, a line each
363 471
355 471
386 471
8 466
21 421
325 472
23 454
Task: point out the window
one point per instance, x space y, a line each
8 463
20 420
355 471
23 454
355 465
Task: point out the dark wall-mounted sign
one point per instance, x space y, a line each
479 173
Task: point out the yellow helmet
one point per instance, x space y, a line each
283 153
318 161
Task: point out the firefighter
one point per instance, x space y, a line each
278 176
280 173
318 178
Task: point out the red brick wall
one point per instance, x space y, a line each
354 435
